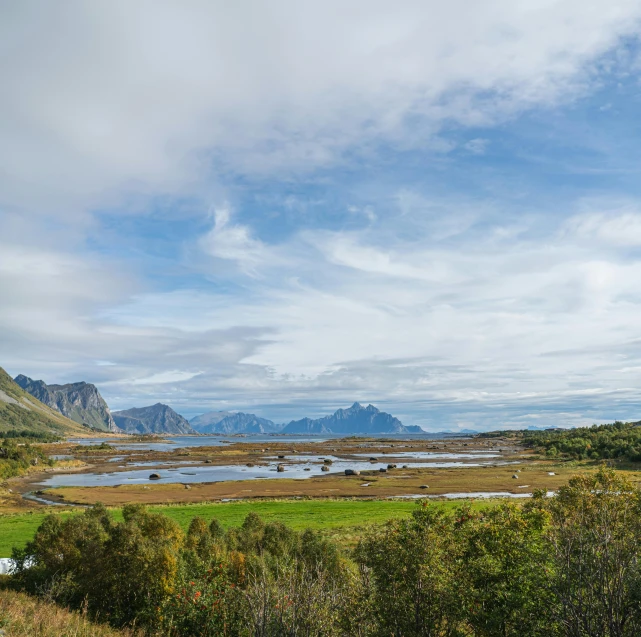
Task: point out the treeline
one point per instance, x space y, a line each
567 566
16 457
617 441
26 435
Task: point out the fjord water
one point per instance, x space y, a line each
218 440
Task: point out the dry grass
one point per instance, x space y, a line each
25 616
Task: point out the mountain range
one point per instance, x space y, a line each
21 411
355 420
156 419
80 402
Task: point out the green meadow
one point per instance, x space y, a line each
341 519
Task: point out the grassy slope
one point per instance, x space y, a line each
343 519
38 417
25 616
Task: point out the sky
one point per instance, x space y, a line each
285 207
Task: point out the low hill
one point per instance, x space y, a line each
226 422
156 419
355 420
81 401
21 411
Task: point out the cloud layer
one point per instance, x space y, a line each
291 206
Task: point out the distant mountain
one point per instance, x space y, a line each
21 411
225 422
157 419
355 420
204 421
81 402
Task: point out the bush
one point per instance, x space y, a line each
16 458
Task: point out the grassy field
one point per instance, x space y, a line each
343 519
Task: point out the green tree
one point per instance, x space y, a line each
506 561
595 537
412 564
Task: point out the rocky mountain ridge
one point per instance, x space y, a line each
80 402
21 411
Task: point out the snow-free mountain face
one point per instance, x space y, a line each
80 402
355 420
22 411
225 422
156 419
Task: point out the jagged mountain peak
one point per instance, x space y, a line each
354 420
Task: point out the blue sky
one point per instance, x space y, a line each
286 207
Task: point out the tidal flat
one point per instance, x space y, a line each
302 494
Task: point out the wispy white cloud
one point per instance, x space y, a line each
620 226
230 241
96 105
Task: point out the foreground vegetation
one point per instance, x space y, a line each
562 566
619 441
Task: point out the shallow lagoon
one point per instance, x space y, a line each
219 473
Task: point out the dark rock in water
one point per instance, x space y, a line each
81 402
352 472
391 466
405 466
154 476
280 468
328 461
306 469
324 468
281 457
250 464
156 419
373 459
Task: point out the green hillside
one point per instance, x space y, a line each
21 411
